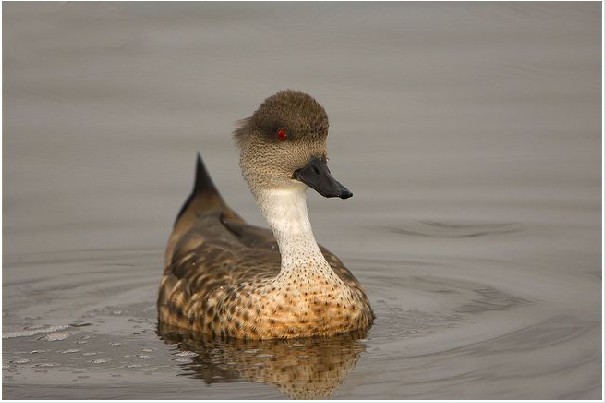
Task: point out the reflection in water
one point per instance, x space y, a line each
309 368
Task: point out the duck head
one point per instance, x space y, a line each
283 146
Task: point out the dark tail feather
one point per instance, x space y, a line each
203 188
204 199
202 178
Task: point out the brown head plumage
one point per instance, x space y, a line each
299 114
285 132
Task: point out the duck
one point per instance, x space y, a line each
224 278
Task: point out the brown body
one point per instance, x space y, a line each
224 278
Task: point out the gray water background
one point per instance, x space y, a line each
469 133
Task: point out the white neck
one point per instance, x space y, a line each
286 212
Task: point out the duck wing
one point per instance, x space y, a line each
203 200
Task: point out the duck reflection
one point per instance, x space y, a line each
309 368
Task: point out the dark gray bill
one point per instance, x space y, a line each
317 175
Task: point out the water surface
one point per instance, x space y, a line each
468 132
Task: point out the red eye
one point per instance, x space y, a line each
282 135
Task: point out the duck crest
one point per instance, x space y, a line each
225 278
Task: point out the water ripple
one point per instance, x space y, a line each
434 229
